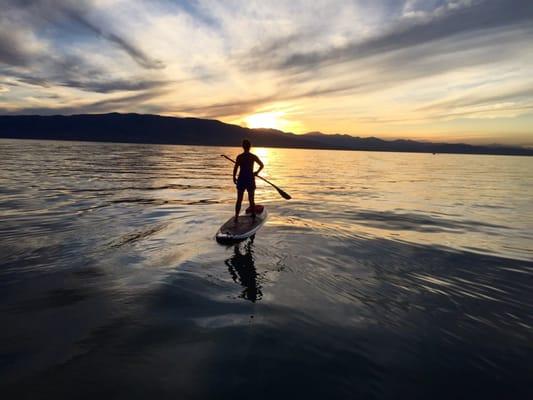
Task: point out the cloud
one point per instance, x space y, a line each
196 10
465 20
30 58
522 94
17 46
110 86
136 54
225 109
510 103
11 51
73 72
65 16
456 37
131 103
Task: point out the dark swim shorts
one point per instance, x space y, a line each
246 183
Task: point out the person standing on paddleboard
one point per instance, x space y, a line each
246 180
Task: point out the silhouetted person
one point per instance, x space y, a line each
246 181
242 269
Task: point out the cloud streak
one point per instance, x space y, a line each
137 102
140 57
406 35
57 14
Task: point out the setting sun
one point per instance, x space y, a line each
269 120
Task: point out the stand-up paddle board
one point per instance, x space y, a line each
244 227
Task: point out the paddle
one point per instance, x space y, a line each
281 192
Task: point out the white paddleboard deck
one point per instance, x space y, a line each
244 227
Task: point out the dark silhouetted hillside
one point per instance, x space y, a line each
137 128
374 144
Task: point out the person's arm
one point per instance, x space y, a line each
261 165
235 167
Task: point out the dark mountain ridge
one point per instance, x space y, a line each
146 128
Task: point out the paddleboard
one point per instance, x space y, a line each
244 227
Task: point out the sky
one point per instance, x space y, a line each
438 70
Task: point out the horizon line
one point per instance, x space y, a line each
393 139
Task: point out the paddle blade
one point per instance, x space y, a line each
283 194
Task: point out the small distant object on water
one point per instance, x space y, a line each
245 226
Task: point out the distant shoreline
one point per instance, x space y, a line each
155 129
237 146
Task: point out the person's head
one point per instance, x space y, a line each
246 145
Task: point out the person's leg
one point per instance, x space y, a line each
240 194
251 199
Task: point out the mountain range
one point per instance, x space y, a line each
146 128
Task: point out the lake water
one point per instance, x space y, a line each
386 276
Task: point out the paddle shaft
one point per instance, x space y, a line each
280 191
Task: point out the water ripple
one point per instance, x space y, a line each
386 275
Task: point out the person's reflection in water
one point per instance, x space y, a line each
242 269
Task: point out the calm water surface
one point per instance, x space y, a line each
387 276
